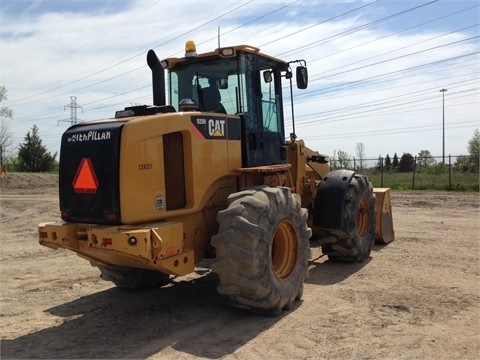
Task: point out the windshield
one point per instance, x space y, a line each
211 84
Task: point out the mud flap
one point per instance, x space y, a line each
331 191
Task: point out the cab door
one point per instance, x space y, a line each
262 112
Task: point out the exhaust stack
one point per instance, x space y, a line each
158 78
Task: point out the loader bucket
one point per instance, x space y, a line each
384 232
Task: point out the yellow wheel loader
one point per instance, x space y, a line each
152 192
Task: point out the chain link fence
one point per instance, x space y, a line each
452 173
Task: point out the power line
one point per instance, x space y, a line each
396 58
395 72
394 131
394 33
331 90
236 28
356 29
282 38
142 53
88 42
402 48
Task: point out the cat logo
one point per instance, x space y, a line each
216 127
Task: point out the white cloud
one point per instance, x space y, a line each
100 58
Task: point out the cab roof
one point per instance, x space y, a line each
223 52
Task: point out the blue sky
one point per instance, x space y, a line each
33 8
375 67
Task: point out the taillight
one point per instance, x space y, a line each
65 215
110 218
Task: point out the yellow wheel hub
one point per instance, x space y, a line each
363 218
284 250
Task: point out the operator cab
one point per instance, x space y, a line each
236 81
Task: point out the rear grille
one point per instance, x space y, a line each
174 171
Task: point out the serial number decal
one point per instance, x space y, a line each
144 166
160 202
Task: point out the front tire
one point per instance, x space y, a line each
355 239
262 249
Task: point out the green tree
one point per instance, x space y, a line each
474 150
12 164
406 162
438 168
462 163
425 159
343 159
333 161
471 162
395 162
340 160
33 155
388 162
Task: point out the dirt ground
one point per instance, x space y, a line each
417 298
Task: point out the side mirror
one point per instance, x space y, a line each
267 76
222 83
302 77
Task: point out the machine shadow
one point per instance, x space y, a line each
324 271
188 316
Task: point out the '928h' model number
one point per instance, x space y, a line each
144 166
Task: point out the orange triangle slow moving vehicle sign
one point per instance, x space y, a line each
85 180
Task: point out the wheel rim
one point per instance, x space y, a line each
284 250
363 218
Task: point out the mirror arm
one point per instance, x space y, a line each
293 136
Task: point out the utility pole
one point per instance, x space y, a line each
2 173
443 124
73 110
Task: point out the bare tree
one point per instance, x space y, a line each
360 152
6 138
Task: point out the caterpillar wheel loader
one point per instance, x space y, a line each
149 194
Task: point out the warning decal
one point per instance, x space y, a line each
85 180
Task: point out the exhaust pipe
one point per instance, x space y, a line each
158 78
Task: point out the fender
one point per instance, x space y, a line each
330 199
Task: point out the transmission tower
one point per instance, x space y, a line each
73 110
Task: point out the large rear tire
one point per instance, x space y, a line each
355 239
262 249
132 278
